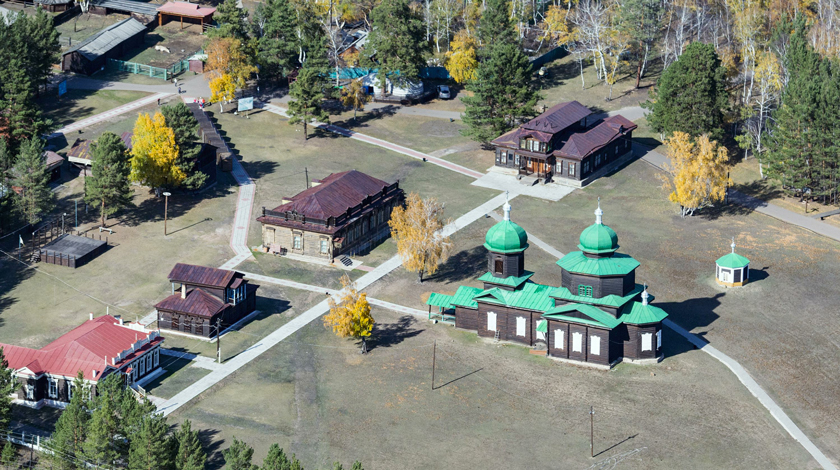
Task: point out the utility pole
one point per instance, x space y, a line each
165 210
219 339
592 431
434 357
306 171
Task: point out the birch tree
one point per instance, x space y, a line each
697 173
350 316
417 230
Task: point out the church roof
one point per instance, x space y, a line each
618 264
531 296
597 239
732 260
582 313
506 237
637 313
464 297
612 300
510 281
440 300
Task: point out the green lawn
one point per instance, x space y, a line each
298 271
83 26
189 40
421 133
178 376
318 398
80 104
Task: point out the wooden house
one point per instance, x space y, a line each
566 144
206 300
598 315
345 213
98 348
90 55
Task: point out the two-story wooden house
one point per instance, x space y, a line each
598 315
97 348
345 213
206 300
566 144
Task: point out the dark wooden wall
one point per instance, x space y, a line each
601 286
610 351
512 264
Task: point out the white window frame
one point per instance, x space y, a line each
52 388
559 168
520 326
559 339
69 391
647 342
142 371
297 242
157 357
516 159
30 392
726 275
572 169
595 345
491 321
325 246
577 342
658 339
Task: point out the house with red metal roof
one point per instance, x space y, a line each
345 213
97 348
566 144
207 300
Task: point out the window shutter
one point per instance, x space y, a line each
647 340
520 326
558 339
491 321
595 345
577 342
658 339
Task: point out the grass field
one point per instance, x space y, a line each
276 156
80 104
317 397
84 26
181 44
178 376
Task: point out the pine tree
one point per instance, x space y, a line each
108 186
44 48
9 455
189 455
238 456
398 37
307 99
502 93
31 176
276 459
690 96
180 119
275 26
7 387
641 22
495 25
149 448
71 428
20 118
7 159
100 447
232 21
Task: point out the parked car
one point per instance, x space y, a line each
443 92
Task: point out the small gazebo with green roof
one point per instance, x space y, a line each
732 270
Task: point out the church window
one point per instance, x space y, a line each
584 291
647 341
499 266
577 342
559 342
658 339
595 345
53 389
520 326
491 321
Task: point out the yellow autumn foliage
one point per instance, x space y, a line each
350 316
222 88
698 172
461 60
226 56
154 153
416 228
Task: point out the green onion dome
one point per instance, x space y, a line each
598 238
506 236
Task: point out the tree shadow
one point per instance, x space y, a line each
365 117
181 202
558 73
258 169
391 334
213 447
466 264
12 273
691 314
743 199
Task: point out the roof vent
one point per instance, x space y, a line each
91 315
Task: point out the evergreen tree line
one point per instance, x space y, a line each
115 429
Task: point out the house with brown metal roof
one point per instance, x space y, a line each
207 300
97 348
345 213
566 144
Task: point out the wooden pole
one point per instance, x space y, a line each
219 339
165 213
592 431
434 357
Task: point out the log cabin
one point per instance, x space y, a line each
97 348
599 315
566 144
206 301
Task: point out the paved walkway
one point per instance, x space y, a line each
757 391
658 160
97 118
384 144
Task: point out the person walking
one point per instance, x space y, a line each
158 101
179 90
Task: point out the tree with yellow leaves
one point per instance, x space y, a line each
350 316
222 88
417 230
354 96
154 154
697 175
461 60
226 56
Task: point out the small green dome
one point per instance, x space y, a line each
506 236
598 238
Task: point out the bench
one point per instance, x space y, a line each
106 229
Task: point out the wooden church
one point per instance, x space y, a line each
599 315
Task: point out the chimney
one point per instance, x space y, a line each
183 291
119 317
91 315
94 374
